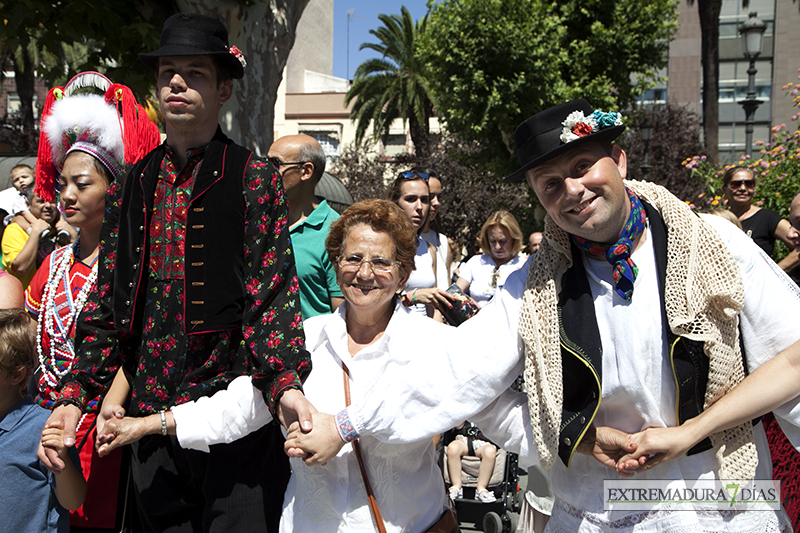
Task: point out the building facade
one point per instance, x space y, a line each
777 65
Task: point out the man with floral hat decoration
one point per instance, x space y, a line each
629 316
84 145
197 285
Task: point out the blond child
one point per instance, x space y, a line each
32 499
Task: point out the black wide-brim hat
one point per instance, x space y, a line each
190 34
539 137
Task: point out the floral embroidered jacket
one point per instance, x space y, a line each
227 303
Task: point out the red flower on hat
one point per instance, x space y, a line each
582 129
238 55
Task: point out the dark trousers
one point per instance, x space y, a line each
235 487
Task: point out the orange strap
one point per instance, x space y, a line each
373 503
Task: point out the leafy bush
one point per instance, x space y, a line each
776 167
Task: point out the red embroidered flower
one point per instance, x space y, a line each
253 286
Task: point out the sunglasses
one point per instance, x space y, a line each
410 174
277 163
750 184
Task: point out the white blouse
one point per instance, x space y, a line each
423 276
440 242
485 277
406 481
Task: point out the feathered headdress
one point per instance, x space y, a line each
113 128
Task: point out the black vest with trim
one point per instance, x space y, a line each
582 353
214 286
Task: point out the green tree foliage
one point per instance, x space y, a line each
56 40
394 86
493 63
109 34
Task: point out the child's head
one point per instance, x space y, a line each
17 344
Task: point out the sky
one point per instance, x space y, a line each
368 11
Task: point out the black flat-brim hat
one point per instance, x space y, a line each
190 34
542 137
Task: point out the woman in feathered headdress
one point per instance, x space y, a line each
86 141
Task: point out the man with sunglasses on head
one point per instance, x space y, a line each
196 286
301 162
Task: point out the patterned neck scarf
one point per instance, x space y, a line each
619 253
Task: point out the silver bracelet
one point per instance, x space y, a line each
164 423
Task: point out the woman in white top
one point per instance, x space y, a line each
410 191
501 239
372 249
431 230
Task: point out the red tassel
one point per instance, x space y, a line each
139 135
45 169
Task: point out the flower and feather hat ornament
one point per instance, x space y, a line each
561 128
111 126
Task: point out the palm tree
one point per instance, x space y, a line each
395 85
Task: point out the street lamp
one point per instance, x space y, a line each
646 133
752 32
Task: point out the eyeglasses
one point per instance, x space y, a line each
750 184
275 162
410 174
352 263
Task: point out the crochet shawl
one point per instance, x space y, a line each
703 297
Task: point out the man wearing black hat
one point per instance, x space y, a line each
632 314
197 286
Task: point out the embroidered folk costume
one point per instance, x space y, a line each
115 130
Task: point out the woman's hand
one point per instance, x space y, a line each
106 414
318 446
436 298
655 446
122 431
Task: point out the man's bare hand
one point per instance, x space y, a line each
318 446
64 417
607 445
294 407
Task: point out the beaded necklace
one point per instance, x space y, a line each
62 350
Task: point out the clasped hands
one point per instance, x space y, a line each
626 453
635 453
